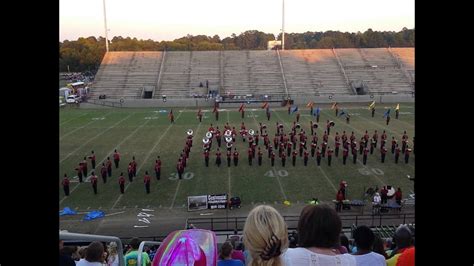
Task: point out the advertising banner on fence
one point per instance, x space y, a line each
218 201
196 203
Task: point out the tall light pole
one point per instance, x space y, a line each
105 24
282 27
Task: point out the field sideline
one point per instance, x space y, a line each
147 133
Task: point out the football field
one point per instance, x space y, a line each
148 133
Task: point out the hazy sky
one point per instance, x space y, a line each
169 19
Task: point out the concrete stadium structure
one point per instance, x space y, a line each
311 74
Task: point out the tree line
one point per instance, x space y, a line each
85 54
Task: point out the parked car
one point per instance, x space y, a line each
73 99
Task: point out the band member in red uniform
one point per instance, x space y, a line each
84 167
313 148
250 156
328 127
103 173
206 158
318 157
407 154
199 115
108 164
158 168
344 137
282 147
171 116
394 143
330 151
383 151
352 137
366 136
92 157
383 136
257 137
373 143
65 184
218 137
302 144
325 137
260 155
270 150
375 137
397 153
361 145
116 158
272 158
294 154
398 196
130 172
218 157
289 145
339 199
146 180
283 159
180 168
134 165
94 182
354 155
122 183
323 148
234 133
404 145
345 153
364 158
79 172
229 156
236 157
305 157
275 142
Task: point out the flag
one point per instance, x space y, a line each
387 113
265 105
67 211
397 108
342 113
316 111
334 105
310 104
94 215
372 105
294 109
241 108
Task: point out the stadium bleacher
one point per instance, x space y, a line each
309 72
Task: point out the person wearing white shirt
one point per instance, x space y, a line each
319 228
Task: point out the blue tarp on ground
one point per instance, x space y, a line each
94 215
67 211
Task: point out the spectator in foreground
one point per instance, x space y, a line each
113 259
132 255
265 236
364 239
403 240
237 252
64 259
379 246
319 228
94 255
225 256
344 241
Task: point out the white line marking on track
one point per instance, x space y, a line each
146 158
327 178
67 121
72 131
115 213
179 181
101 133
281 187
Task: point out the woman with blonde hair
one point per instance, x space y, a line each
113 259
265 236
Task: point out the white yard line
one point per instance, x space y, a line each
146 158
108 154
327 178
278 179
74 130
67 121
96 136
179 180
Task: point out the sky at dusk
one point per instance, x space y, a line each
167 20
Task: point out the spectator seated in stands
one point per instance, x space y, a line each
403 240
112 258
225 256
319 228
95 255
364 239
265 236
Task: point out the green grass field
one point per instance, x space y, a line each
146 133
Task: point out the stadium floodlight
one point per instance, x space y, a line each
282 27
105 25
164 98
